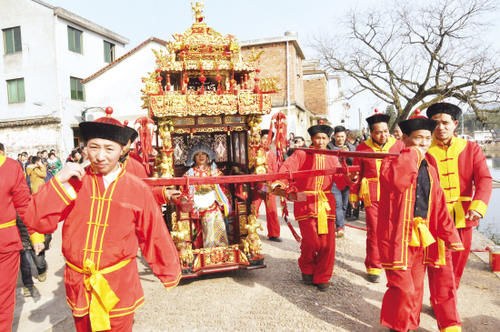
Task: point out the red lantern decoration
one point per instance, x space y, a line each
202 79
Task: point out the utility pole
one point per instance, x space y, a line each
359 119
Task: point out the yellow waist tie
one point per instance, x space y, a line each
364 191
421 233
8 224
322 207
103 298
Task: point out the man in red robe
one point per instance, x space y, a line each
108 214
368 188
273 225
414 228
14 197
464 176
316 215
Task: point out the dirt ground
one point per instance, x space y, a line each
274 299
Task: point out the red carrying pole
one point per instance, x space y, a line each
247 178
352 154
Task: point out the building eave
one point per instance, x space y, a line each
83 22
123 57
12 123
43 4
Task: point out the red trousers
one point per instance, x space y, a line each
460 257
372 260
118 324
317 252
273 224
9 268
402 301
444 294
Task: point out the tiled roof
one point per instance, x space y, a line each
123 57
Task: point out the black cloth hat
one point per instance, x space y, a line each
107 128
443 107
417 122
377 117
320 128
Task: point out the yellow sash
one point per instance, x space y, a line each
364 191
323 206
103 298
421 233
8 224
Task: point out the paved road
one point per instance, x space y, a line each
268 299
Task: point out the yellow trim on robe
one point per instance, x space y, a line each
2 159
449 177
172 284
478 206
452 329
61 191
8 224
378 162
132 310
441 252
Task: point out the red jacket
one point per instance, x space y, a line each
465 178
368 188
106 226
14 196
396 226
300 161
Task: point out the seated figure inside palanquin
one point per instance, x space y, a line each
210 202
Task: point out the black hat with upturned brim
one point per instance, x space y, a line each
378 117
107 128
320 128
446 108
417 122
108 131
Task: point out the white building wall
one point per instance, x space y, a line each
338 109
46 65
36 62
72 64
120 86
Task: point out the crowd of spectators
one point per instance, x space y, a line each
38 169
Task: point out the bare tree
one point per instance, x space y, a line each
411 56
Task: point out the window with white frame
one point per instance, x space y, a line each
75 40
15 90
109 52
76 85
12 40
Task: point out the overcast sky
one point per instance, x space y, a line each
141 19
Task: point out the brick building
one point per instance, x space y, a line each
315 90
282 59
